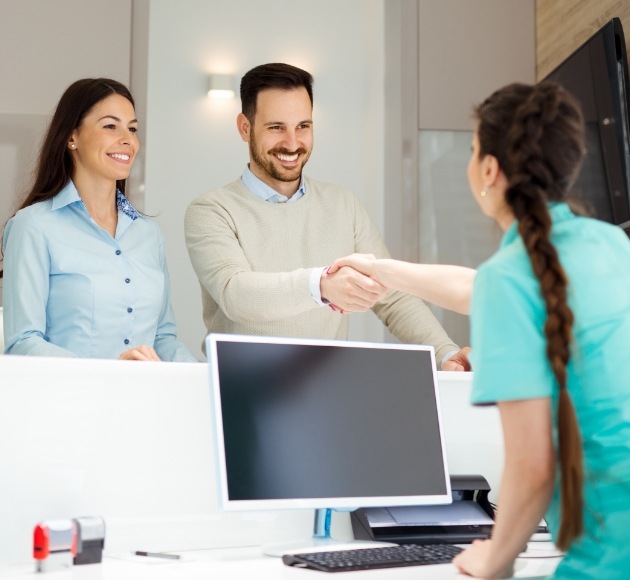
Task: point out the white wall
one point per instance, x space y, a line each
44 47
191 143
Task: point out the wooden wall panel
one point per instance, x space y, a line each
563 25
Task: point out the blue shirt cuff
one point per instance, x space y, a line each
316 276
448 355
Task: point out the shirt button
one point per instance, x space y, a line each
118 252
126 341
127 280
130 310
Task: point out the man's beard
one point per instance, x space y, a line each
278 174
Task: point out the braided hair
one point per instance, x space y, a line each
541 153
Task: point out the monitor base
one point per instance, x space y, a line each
320 541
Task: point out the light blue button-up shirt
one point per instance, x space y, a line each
262 191
70 289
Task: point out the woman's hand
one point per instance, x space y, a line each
364 263
141 352
480 561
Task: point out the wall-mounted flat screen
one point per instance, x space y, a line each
597 74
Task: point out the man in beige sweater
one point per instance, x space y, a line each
261 245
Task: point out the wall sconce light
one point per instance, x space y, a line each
221 86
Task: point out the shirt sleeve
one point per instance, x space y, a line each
508 343
25 290
167 346
314 284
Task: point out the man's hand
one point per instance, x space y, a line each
459 361
350 291
141 352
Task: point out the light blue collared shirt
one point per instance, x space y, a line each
262 191
70 289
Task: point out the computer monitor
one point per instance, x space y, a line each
321 424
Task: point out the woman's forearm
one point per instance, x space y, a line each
528 475
449 287
526 488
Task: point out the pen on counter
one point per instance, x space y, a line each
157 555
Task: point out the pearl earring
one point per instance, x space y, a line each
72 146
483 192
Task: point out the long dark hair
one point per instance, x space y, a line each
55 166
537 135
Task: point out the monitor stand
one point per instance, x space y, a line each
320 541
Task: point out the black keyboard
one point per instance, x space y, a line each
371 558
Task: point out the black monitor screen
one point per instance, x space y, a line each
321 424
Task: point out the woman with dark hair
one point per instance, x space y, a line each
84 272
550 330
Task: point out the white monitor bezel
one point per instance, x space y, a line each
343 503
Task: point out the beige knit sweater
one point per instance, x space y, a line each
253 260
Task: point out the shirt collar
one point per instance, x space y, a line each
69 194
263 191
559 212
124 205
66 196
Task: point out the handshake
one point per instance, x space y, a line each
357 282
349 285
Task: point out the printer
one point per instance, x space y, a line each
469 517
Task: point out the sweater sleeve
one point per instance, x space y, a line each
243 294
407 317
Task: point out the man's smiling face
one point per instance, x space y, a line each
280 138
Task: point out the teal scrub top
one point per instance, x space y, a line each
510 363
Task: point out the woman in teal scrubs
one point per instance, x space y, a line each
550 333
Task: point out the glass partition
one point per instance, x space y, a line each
452 228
